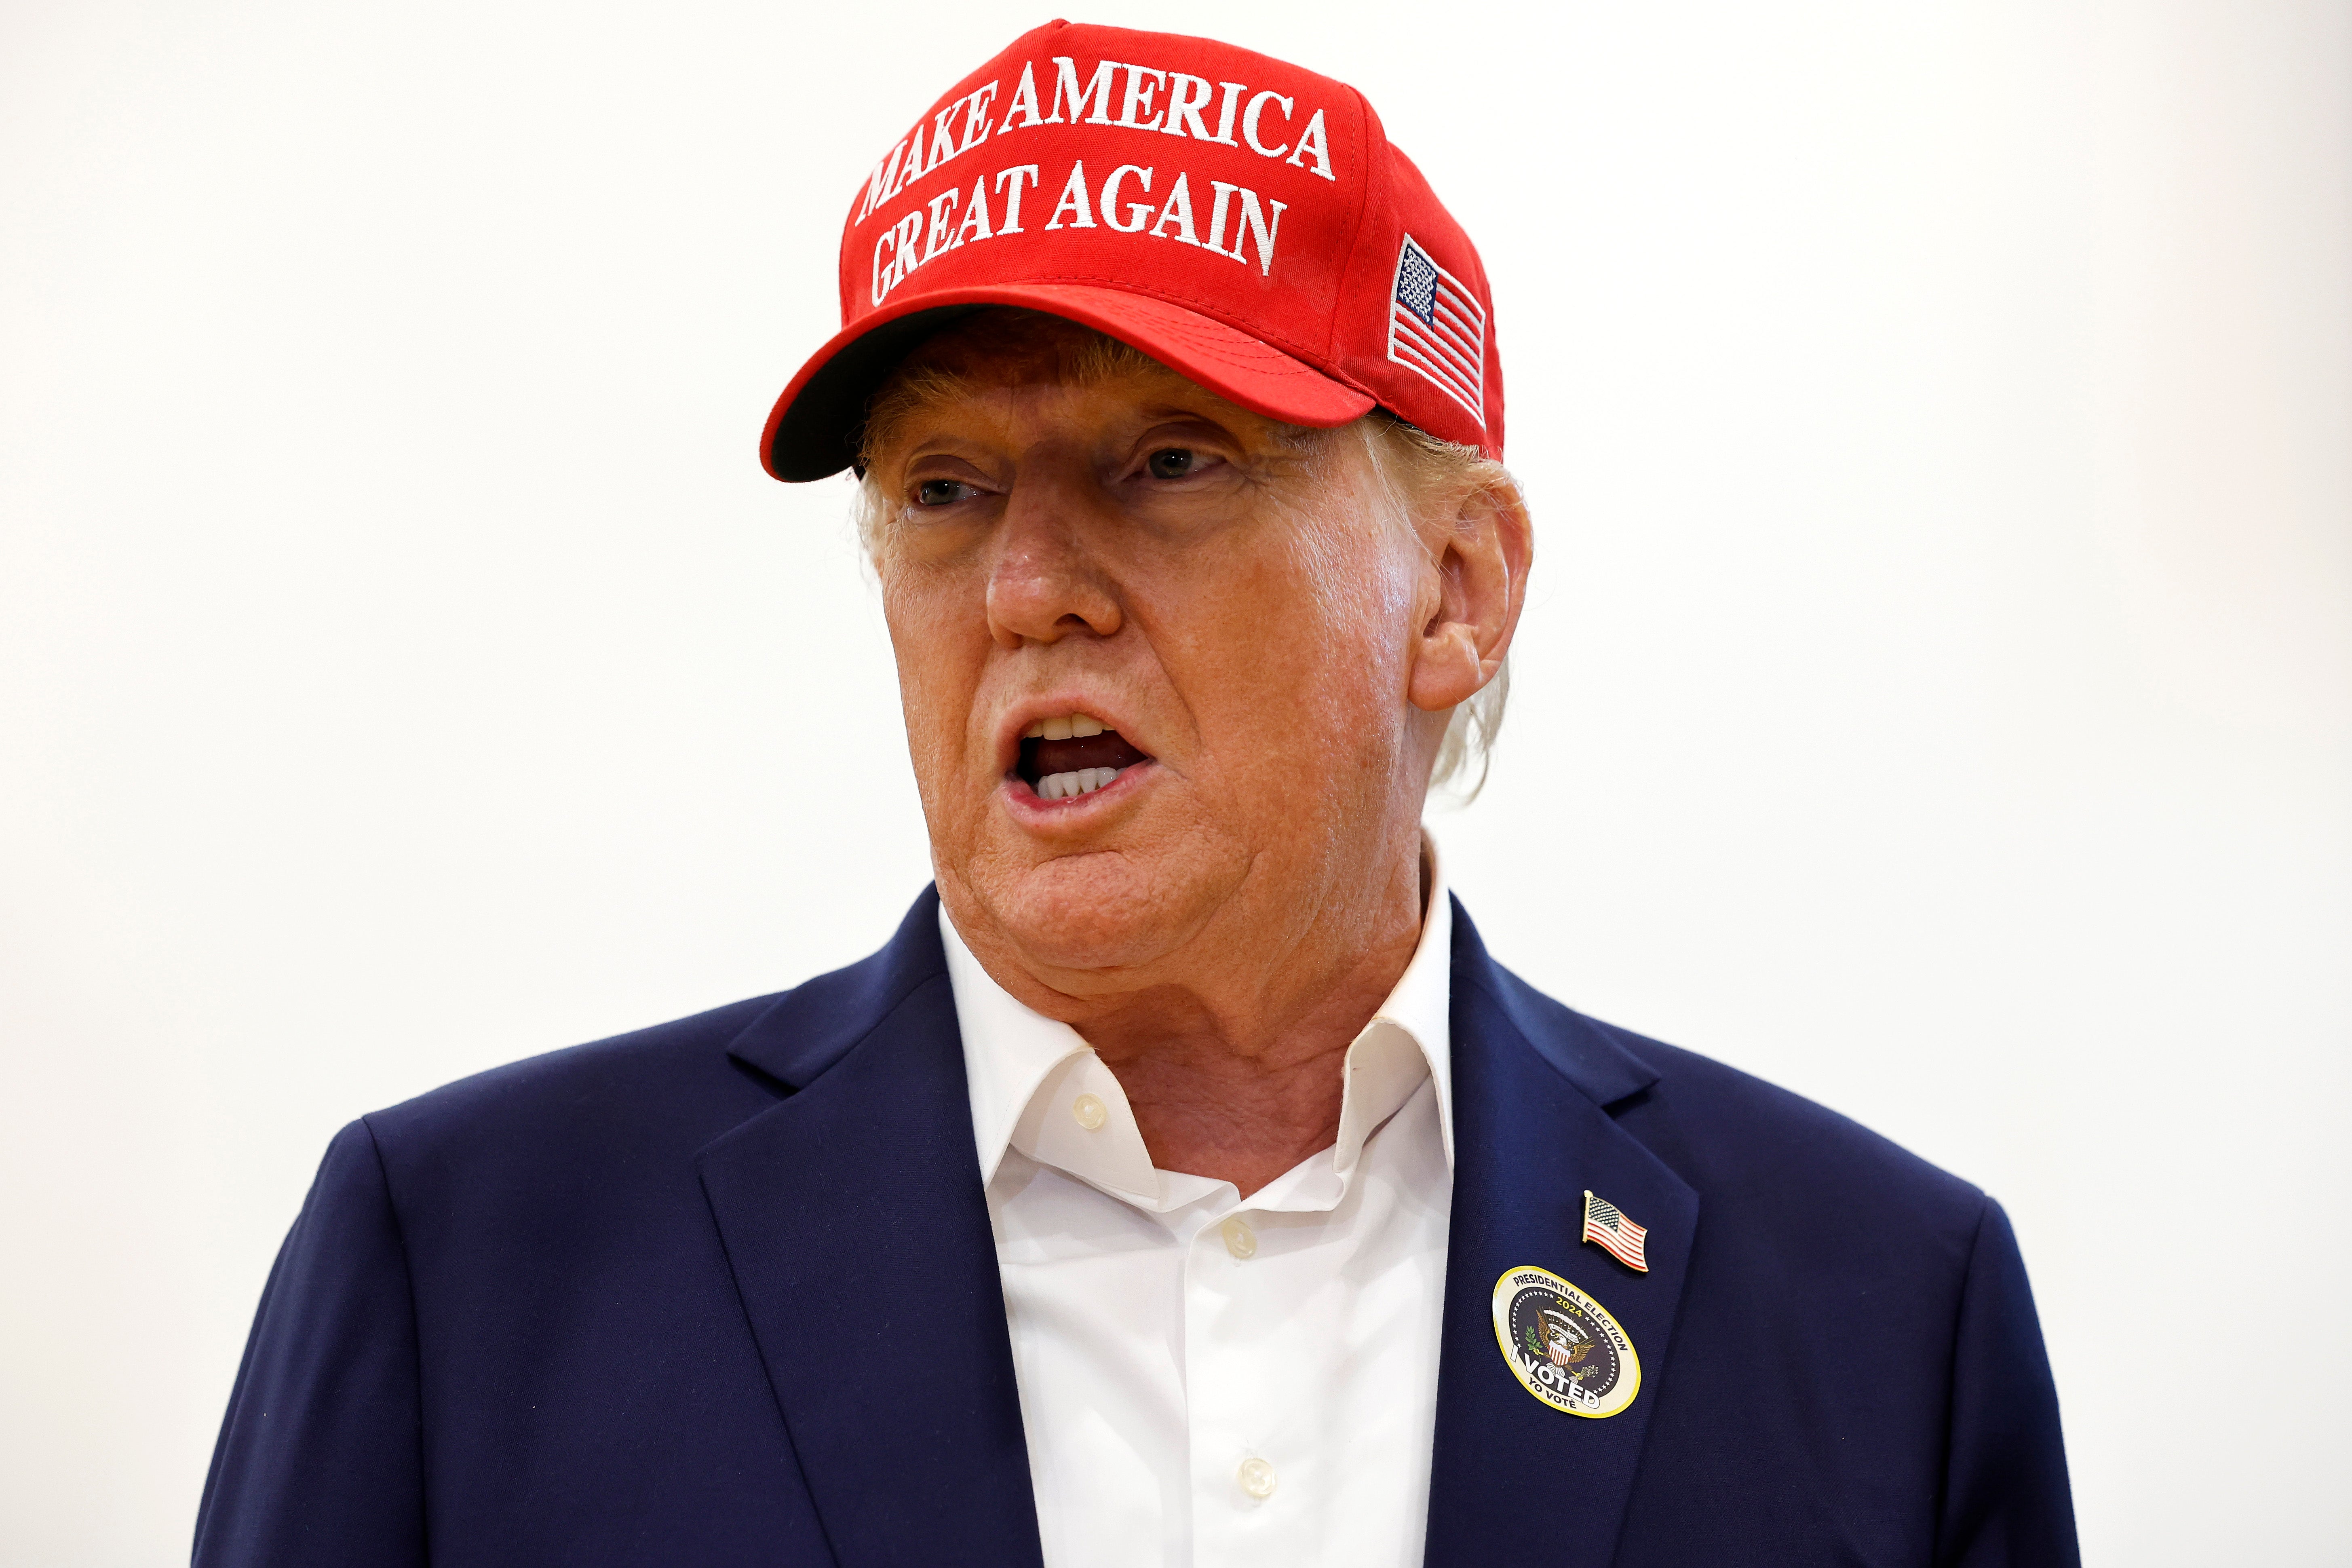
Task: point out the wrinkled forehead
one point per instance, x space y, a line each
1006 346
995 351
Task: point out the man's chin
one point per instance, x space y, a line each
1099 912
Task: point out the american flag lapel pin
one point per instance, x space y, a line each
1619 1237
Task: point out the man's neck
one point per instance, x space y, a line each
1241 1081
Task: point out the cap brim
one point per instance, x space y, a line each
815 427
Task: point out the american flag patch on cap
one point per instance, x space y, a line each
1437 327
1612 1230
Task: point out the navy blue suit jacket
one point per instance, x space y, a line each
724 1292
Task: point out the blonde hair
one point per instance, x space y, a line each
1422 471
1417 469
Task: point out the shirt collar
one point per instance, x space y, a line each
1025 1071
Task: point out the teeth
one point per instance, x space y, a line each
1081 781
1073 782
1075 725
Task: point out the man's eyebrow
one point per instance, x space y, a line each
1173 412
904 397
911 393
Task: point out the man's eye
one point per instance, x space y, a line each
940 492
1171 463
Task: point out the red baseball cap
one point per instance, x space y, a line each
1242 221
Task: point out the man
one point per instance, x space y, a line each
1183 1183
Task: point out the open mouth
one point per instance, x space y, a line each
1075 754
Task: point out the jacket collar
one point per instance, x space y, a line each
853 1222
810 1028
1534 1082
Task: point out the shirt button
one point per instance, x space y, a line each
1256 1477
1242 1242
1089 1111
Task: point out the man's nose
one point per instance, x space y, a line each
1047 581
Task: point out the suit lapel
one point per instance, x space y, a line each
855 1223
1532 1081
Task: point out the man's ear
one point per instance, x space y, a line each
1480 547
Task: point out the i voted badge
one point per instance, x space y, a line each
1562 1345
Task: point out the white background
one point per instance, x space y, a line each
1937 696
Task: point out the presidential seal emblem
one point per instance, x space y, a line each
1562 1345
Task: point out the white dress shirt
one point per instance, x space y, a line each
1206 1379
